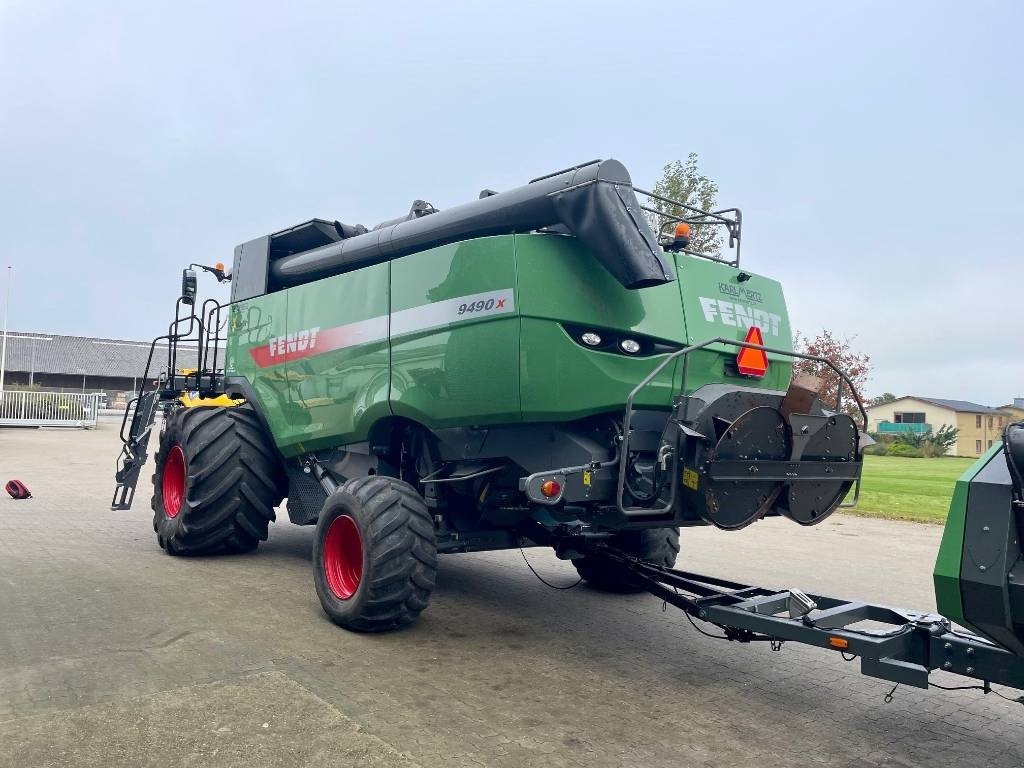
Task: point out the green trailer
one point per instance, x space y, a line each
546 366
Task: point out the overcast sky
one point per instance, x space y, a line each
875 148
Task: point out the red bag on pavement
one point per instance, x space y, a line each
18 489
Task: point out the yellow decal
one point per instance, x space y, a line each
690 479
587 475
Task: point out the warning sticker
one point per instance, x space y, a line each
691 479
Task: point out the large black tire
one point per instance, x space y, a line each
218 478
374 555
653 545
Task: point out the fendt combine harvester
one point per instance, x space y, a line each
546 366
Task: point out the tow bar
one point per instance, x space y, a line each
900 646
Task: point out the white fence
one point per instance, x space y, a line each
48 409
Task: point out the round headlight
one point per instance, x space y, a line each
630 346
591 339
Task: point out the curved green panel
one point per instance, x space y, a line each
455 334
251 326
948 562
559 279
561 380
342 390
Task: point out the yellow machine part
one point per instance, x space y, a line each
189 401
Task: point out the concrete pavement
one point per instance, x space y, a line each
113 653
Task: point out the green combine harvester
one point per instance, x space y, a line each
546 366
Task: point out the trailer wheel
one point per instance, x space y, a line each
654 545
216 483
374 555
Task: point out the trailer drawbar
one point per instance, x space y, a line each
980 547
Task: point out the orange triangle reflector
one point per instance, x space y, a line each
752 362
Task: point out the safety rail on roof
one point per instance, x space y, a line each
664 214
29 408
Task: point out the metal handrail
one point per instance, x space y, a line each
683 353
730 218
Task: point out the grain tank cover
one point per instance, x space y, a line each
595 202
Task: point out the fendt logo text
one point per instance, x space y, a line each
739 315
294 342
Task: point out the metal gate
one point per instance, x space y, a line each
48 409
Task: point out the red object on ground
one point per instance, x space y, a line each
18 489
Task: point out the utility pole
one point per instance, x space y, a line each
3 354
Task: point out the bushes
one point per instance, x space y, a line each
914 445
906 451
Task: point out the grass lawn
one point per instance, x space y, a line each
908 489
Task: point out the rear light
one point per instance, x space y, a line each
551 488
752 362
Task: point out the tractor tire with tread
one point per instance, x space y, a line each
658 546
374 555
218 478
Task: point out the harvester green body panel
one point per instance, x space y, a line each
344 388
561 283
716 303
455 334
948 599
979 571
479 332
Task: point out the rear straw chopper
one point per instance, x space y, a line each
547 366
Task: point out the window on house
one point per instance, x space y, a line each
990 422
977 421
989 443
999 420
909 417
977 446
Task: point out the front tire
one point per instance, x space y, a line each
374 555
217 481
658 546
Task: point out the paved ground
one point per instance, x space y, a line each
113 653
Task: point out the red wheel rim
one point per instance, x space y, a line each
173 488
343 557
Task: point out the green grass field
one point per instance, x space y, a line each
908 489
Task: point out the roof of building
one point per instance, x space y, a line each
964 406
961 406
78 355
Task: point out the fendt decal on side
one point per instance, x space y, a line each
316 341
738 315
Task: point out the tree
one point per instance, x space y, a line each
942 440
683 181
839 352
